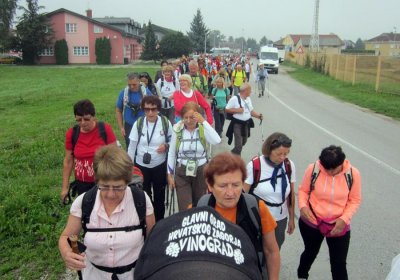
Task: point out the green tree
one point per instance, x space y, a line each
7 12
61 52
103 51
33 32
359 44
198 32
263 41
252 44
230 39
216 38
174 44
150 51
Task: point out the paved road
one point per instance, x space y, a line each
370 141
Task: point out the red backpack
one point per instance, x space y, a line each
257 173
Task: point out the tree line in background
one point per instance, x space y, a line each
33 34
199 39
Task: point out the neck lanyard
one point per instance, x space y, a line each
152 132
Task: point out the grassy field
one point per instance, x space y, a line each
36 110
361 95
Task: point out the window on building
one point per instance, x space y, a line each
81 51
376 46
70 27
97 29
47 52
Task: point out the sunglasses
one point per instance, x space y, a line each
281 141
144 75
147 110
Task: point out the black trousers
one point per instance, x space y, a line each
154 182
338 249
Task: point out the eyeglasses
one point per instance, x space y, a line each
84 119
105 188
281 141
147 110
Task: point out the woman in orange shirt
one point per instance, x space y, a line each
225 175
329 196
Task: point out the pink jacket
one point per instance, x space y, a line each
180 100
331 198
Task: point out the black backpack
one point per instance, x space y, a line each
76 131
139 198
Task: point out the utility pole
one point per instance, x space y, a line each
314 40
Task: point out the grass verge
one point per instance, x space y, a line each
36 111
361 95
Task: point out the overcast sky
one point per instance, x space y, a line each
349 19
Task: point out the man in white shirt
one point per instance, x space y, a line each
242 109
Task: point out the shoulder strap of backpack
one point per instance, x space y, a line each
162 82
201 77
102 131
288 168
139 126
253 209
254 213
239 100
75 135
256 173
203 139
165 125
226 91
349 178
140 205
204 200
178 140
214 91
314 176
89 198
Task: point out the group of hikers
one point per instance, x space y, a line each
233 216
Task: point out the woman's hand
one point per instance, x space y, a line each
339 227
74 261
171 181
198 117
291 226
305 212
162 148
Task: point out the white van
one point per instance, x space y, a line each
270 58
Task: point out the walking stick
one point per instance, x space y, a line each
262 131
268 88
74 245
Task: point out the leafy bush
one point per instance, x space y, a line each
103 51
61 52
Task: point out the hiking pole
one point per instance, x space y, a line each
268 88
262 130
74 245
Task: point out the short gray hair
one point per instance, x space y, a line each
244 86
133 76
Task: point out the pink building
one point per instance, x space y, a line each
81 33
